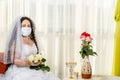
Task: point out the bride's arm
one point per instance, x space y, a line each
20 62
23 63
16 60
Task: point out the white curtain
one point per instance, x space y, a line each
59 24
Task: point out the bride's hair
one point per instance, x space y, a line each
32 35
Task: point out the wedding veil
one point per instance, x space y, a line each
14 43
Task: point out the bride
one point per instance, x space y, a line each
20 46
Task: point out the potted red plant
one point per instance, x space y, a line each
86 50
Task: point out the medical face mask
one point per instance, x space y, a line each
26 31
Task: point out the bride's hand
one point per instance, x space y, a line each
34 64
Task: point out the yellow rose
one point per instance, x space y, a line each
31 58
35 58
38 56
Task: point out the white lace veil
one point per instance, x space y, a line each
14 43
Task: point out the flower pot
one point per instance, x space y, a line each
86 70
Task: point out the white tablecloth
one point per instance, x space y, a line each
97 77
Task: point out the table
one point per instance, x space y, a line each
98 77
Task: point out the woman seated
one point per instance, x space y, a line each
21 45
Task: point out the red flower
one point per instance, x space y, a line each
85 37
86 48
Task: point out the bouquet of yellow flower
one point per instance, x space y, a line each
38 59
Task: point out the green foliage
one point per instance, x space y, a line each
86 49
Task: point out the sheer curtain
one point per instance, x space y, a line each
59 24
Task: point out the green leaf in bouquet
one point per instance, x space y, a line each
45 68
33 67
43 60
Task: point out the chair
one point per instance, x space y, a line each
2 65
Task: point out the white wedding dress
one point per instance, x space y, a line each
24 73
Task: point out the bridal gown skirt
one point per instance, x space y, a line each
24 73
1 77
